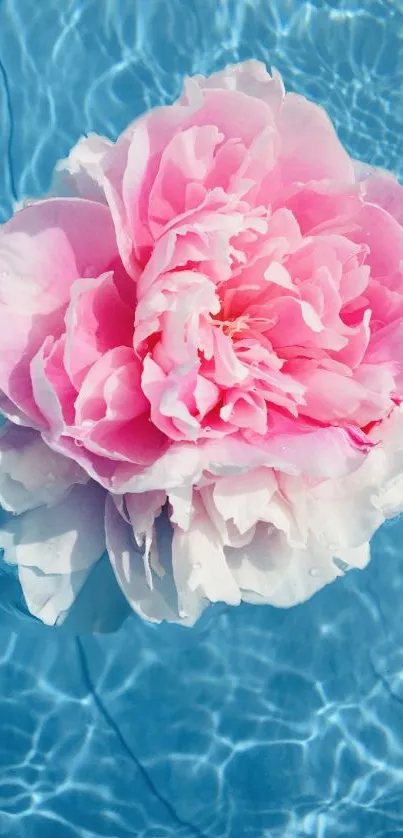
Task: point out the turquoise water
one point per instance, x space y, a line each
258 723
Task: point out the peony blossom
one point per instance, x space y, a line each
201 362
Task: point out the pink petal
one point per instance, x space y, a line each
52 389
111 388
244 409
186 160
97 320
310 148
42 251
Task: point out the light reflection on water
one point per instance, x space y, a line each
257 723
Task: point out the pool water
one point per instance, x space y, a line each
257 723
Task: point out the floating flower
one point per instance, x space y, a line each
201 358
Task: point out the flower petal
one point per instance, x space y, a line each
68 538
80 174
153 604
31 474
42 252
199 567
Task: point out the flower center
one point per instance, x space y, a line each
232 327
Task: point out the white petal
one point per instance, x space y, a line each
245 499
31 474
181 503
269 570
143 509
68 538
49 597
199 567
80 174
156 604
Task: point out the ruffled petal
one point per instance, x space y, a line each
55 550
154 603
97 320
67 538
248 77
80 174
42 252
269 570
199 567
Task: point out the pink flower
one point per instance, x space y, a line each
201 331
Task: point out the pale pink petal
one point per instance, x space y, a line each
244 409
310 148
248 77
114 376
186 160
383 189
129 170
169 397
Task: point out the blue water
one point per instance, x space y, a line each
258 723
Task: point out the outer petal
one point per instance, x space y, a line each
310 147
245 500
383 189
55 550
80 174
43 249
154 603
63 540
129 171
199 567
270 570
249 77
31 474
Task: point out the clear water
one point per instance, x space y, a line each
258 723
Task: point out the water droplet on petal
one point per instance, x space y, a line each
197 566
314 571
